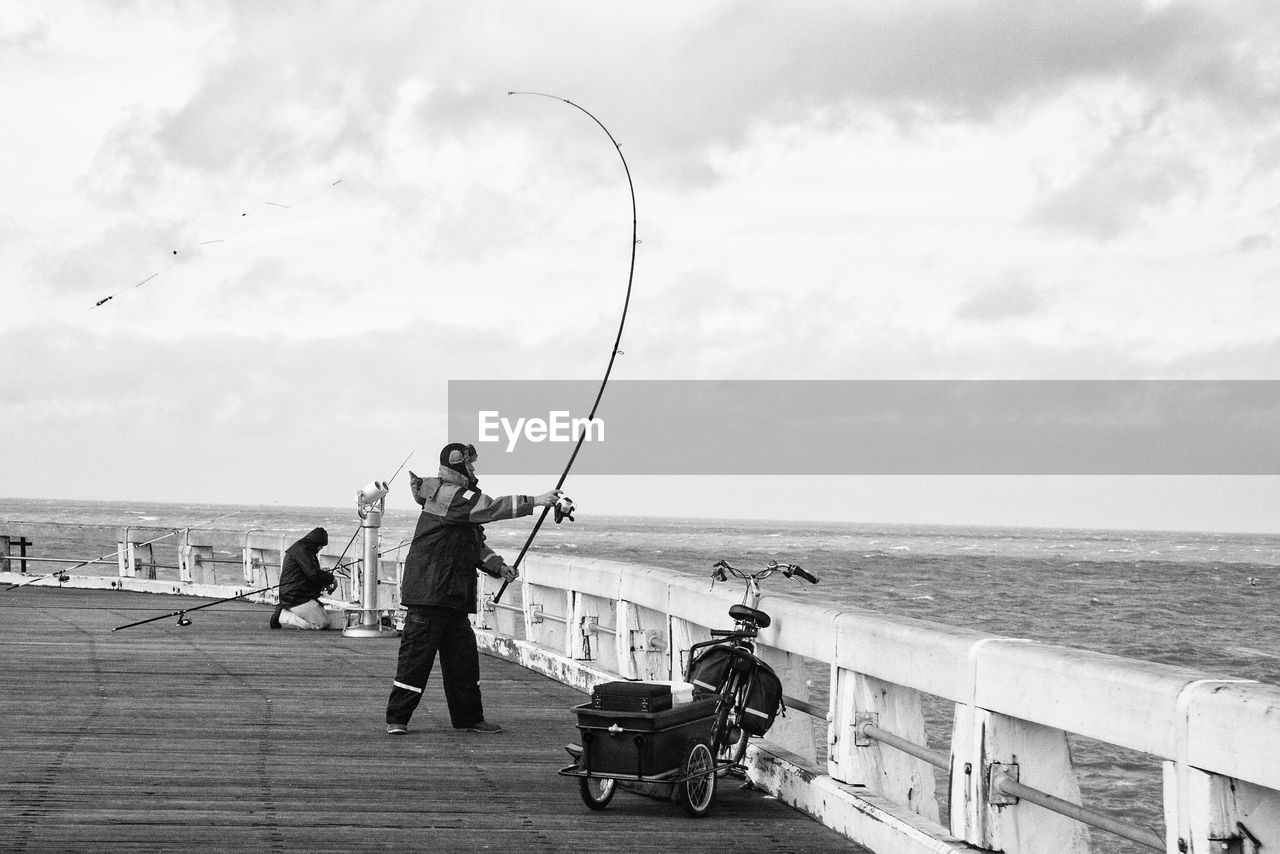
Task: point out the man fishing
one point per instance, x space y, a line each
439 588
301 583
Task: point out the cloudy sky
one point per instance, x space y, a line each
311 216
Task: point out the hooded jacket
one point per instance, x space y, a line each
448 544
301 578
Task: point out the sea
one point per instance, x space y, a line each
1206 600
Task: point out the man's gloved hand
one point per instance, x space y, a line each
509 573
333 583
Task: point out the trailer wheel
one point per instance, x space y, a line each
596 791
697 791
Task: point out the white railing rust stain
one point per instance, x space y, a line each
581 621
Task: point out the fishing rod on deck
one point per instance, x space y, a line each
62 573
183 620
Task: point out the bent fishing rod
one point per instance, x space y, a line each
62 573
617 342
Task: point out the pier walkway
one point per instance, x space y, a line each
226 736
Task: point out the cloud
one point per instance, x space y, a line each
1138 170
287 85
969 59
1256 243
1111 195
35 36
1012 298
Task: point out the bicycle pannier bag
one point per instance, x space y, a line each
708 671
763 702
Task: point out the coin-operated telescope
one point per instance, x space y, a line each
371 500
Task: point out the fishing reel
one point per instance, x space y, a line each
63 578
564 508
183 619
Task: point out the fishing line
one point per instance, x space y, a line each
179 252
613 354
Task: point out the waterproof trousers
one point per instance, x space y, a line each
308 615
429 630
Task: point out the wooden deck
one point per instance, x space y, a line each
224 735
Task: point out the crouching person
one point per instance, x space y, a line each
301 583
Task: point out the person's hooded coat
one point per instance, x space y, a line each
448 543
301 578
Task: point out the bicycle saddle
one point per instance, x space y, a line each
745 613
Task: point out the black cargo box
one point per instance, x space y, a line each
644 744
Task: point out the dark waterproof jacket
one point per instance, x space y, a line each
301 578
448 543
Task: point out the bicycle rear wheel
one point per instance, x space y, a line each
728 738
697 791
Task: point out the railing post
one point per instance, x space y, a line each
1211 814
624 618
142 554
123 563
901 778
644 635
1032 754
255 557
572 641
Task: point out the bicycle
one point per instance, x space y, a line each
684 749
749 692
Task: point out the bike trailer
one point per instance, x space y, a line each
643 744
709 670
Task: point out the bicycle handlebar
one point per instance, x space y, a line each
723 569
812 579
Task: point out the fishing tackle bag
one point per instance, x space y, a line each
709 670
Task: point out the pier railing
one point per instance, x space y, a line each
1010 783
197 561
